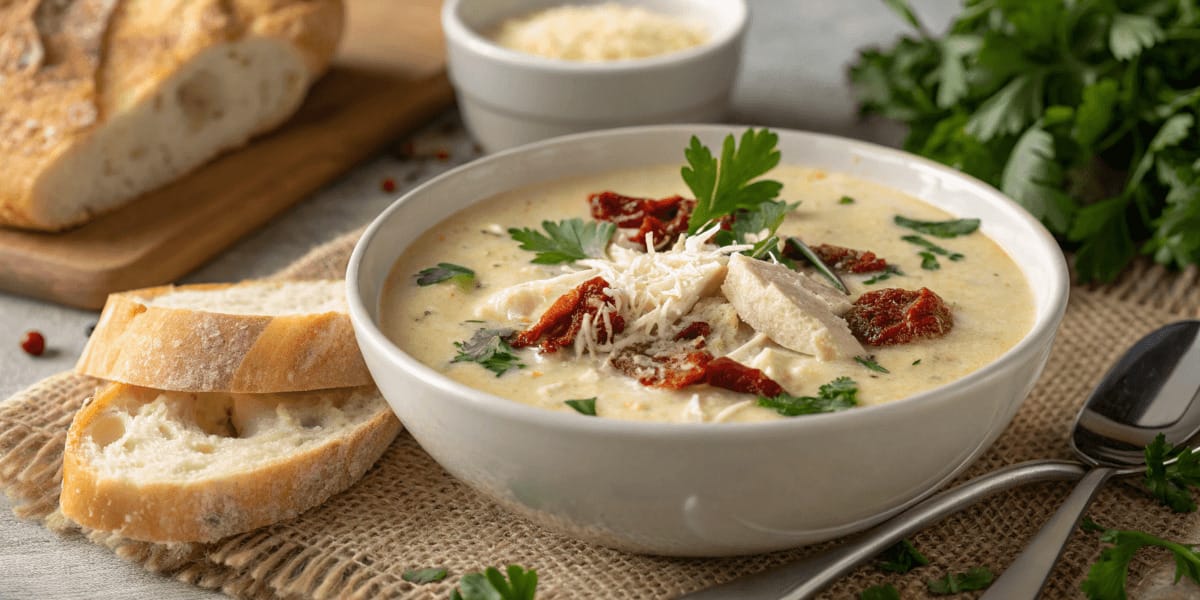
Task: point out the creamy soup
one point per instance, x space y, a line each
984 290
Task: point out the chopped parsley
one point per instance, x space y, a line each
724 186
839 394
943 229
419 576
932 247
916 362
846 200
901 558
929 261
1106 579
565 241
488 348
1170 483
886 591
492 585
869 362
817 263
884 276
583 406
445 272
976 578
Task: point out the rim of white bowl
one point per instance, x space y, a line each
455 29
1044 326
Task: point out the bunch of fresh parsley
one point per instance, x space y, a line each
1083 111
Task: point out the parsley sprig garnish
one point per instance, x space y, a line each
1083 112
1106 579
520 584
488 348
1170 483
839 394
565 241
445 272
728 185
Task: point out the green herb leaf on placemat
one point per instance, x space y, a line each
886 591
1170 483
1107 577
976 578
492 585
902 557
428 575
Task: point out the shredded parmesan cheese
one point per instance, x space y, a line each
598 33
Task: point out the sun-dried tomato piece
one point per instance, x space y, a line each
695 329
727 373
674 370
561 322
666 218
895 316
844 260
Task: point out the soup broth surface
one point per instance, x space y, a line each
990 300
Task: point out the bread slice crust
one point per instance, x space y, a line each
189 350
239 500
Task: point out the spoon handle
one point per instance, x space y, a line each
1027 574
810 575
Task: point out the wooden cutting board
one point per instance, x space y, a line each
388 78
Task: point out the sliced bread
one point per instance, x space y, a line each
252 337
179 467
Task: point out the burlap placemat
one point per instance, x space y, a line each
408 513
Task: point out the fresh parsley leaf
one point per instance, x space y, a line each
886 591
565 241
756 227
976 578
1171 483
583 406
869 362
1131 34
846 200
445 272
929 261
902 557
725 186
419 576
932 247
796 245
492 585
488 348
916 362
1095 112
1010 110
839 394
1032 177
1107 576
943 229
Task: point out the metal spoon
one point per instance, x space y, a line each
1154 388
1148 391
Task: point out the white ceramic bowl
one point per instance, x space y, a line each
696 489
509 98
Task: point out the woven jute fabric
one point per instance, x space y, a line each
408 513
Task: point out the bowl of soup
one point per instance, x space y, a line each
550 333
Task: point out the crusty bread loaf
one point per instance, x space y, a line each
106 99
252 337
174 467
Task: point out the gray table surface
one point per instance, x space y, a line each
793 75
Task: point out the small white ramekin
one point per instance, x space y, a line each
509 98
